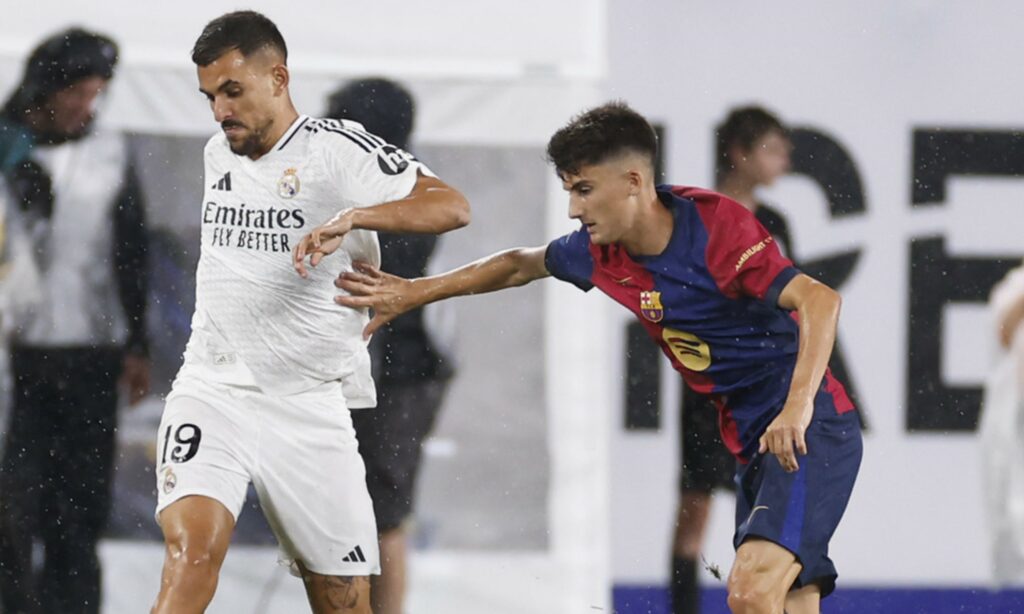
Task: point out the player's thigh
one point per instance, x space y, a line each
336 594
197 531
312 486
763 571
203 449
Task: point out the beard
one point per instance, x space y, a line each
253 141
247 146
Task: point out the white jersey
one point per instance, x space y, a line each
257 323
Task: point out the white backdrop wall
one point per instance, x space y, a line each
484 71
867 74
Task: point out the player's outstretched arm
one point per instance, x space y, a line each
432 207
391 296
818 307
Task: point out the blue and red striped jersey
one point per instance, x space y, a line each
710 301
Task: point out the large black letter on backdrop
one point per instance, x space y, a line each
938 279
822 159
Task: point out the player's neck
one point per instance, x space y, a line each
281 125
740 189
652 228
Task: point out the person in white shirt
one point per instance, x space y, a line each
273 361
73 305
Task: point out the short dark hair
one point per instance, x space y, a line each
601 133
247 31
382 106
743 127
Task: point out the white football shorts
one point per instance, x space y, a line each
301 455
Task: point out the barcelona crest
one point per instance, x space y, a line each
650 306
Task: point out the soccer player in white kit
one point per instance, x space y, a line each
273 361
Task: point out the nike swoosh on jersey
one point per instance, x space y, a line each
754 511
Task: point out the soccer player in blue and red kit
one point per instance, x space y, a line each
734 316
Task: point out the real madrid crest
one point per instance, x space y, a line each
170 481
288 184
650 306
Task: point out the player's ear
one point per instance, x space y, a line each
635 179
279 75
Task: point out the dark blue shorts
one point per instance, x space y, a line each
800 511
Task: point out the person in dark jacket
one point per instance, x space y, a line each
410 370
74 190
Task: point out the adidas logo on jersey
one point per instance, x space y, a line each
356 556
224 183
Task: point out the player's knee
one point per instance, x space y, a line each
193 558
751 594
191 561
753 591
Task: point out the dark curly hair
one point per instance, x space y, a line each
247 31
599 134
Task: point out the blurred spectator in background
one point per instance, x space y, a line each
19 278
1002 433
75 191
752 151
19 289
411 372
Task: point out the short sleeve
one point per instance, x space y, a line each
367 169
568 258
743 257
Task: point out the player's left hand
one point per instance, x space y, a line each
784 436
388 295
135 377
321 241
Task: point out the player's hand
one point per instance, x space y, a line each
388 295
784 436
135 378
321 241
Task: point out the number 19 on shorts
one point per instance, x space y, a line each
185 444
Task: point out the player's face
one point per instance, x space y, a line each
72 109
602 198
767 160
245 96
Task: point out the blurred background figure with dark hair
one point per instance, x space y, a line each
752 150
75 192
410 370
